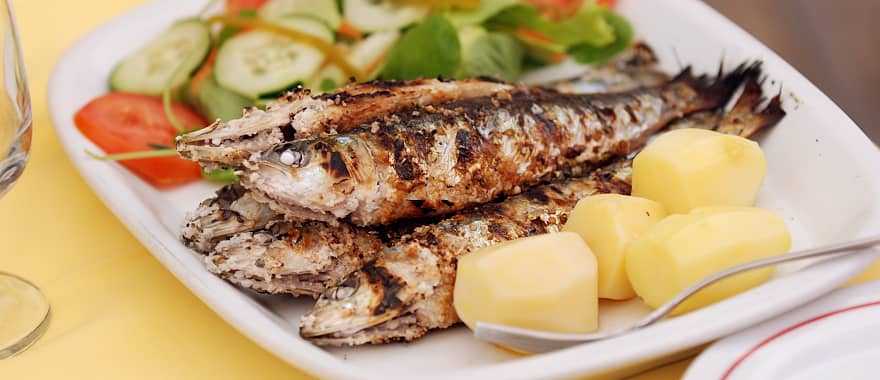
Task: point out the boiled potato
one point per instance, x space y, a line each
545 282
689 168
608 222
683 249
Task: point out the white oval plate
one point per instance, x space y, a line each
833 338
822 178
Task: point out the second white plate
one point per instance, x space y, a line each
833 338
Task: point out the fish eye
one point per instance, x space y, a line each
290 157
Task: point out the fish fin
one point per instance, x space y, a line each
716 91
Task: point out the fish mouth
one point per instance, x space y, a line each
236 140
230 151
232 210
363 301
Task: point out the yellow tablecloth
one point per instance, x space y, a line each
117 314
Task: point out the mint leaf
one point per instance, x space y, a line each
429 49
490 54
623 36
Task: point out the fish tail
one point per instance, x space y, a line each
752 112
716 91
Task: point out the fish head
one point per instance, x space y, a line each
364 300
312 174
231 142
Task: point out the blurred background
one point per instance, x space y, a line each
836 44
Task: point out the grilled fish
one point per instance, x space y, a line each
216 220
437 159
301 259
305 258
232 210
298 115
407 291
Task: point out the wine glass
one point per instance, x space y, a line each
24 310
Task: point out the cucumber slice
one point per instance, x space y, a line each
366 55
175 53
258 62
323 10
306 24
376 15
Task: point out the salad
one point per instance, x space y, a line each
213 65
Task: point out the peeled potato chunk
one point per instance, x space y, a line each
545 282
607 223
689 168
683 249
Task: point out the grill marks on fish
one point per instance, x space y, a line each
425 261
301 259
425 301
298 115
380 278
481 149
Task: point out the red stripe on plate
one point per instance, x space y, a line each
789 329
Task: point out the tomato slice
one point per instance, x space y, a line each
234 7
121 122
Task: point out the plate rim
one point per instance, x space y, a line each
722 356
107 183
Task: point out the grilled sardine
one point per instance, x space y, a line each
298 115
437 159
300 258
407 291
230 211
216 220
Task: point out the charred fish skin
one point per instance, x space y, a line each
298 114
297 264
296 257
209 224
414 278
232 210
439 159
407 291
299 259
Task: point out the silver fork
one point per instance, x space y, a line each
540 341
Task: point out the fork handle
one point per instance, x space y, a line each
845 248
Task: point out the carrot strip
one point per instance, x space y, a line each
348 30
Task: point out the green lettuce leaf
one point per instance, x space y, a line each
585 27
623 36
490 54
429 49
